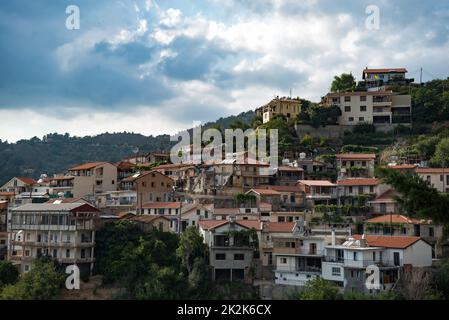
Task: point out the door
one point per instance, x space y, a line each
396 258
312 248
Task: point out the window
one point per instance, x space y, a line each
113 182
362 98
284 260
67 253
27 268
441 177
371 189
361 190
355 256
431 234
198 212
347 98
363 163
27 253
351 119
362 108
336 271
361 119
347 108
374 256
239 256
152 184
350 189
220 256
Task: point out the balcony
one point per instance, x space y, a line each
297 251
363 263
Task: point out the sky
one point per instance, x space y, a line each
156 66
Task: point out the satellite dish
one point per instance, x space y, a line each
135 150
302 155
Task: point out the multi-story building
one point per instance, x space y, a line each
291 197
62 231
93 178
379 79
385 203
3 215
288 107
318 192
233 247
346 264
288 175
358 191
376 107
401 225
149 186
7 196
435 177
355 165
17 185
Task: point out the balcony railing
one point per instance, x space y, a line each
362 262
299 251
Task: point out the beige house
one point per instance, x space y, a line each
288 107
376 107
17 185
88 179
435 177
355 165
318 192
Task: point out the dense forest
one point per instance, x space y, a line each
55 152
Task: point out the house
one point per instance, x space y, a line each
7 196
233 247
291 197
288 107
355 165
264 195
381 108
17 185
318 192
172 210
240 213
288 175
345 264
313 169
179 173
357 191
401 225
437 178
157 157
112 202
385 203
298 254
148 223
125 169
378 79
191 216
93 178
62 231
150 186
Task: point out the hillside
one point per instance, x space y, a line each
55 153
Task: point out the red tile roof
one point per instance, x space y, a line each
124 165
147 218
395 218
317 183
358 182
396 242
388 195
27 180
6 194
161 205
280 227
396 70
283 188
87 166
356 156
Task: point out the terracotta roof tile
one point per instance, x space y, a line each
161 205
87 166
395 218
358 182
281 227
397 242
432 170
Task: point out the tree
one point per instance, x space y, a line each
43 282
191 247
416 285
319 289
256 122
418 198
8 273
441 156
344 82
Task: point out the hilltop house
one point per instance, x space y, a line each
288 107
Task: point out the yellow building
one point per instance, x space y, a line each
289 107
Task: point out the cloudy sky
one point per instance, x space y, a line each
155 66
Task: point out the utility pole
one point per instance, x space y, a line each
420 77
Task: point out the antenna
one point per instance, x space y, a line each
420 77
290 93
